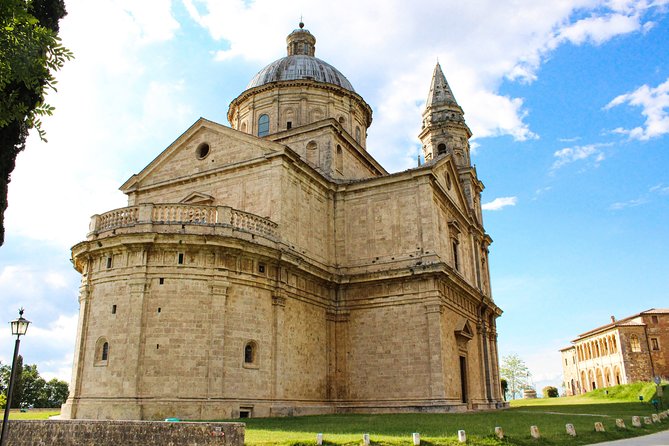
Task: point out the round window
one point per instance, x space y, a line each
202 150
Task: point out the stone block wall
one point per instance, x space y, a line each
126 433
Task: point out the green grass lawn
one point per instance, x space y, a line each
550 415
33 414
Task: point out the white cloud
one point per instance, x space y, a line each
660 189
570 155
499 203
628 204
654 102
599 29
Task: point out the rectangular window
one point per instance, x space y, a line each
654 319
261 268
181 258
456 262
289 125
113 309
161 280
654 344
109 262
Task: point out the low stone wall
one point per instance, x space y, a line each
122 433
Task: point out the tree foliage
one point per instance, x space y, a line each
30 389
516 373
30 54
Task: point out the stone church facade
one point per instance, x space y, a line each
275 268
632 349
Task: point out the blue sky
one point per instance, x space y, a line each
568 102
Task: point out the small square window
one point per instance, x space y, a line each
654 319
289 125
261 267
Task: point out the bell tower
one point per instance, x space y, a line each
444 130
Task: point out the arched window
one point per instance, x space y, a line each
441 149
244 127
357 134
250 354
263 125
101 352
635 344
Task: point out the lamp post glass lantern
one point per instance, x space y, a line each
19 328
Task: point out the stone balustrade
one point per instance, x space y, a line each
182 214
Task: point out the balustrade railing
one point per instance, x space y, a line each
182 214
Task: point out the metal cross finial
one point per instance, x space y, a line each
301 22
21 312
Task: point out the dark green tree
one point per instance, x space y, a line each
550 392
30 54
30 389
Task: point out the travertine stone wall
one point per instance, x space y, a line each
126 433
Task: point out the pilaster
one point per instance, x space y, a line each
433 312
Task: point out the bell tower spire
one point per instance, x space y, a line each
444 130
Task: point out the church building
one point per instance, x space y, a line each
275 268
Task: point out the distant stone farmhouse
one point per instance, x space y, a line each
275 268
635 348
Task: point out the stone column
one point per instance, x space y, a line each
69 410
136 335
433 313
278 308
216 352
337 332
483 330
494 356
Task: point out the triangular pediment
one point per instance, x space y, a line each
204 148
198 198
448 180
463 330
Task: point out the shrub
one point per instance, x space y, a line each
550 392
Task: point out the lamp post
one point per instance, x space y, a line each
19 328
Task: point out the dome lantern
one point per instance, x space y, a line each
301 42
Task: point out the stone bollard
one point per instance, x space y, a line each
319 439
365 439
571 430
647 420
656 418
620 423
499 432
462 436
599 427
534 432
636 421
416 438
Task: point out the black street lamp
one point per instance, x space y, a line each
19 328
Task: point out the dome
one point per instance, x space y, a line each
300 64
300 67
